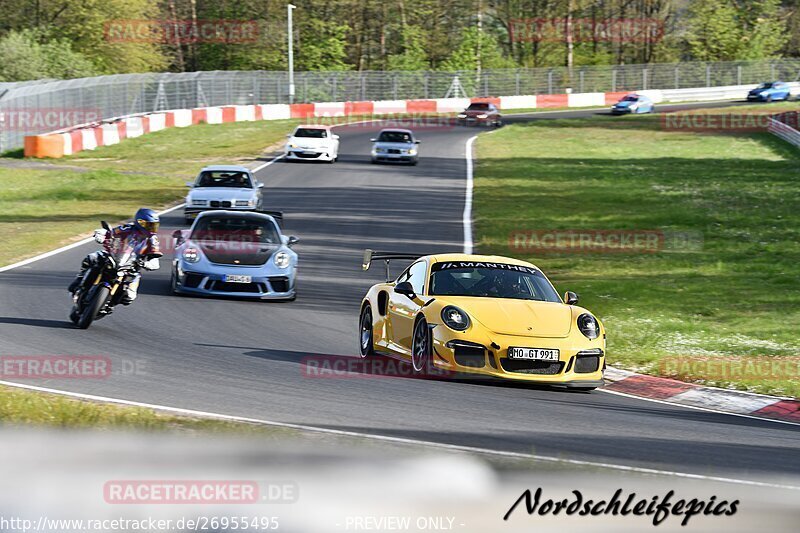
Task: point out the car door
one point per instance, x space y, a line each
403 309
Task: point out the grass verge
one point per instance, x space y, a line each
48 203
735 296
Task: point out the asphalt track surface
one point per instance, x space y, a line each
244 358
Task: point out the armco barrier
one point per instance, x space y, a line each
89 136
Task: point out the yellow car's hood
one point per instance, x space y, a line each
516 317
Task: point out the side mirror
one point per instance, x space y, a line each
416 142
189 184
288 135
104 225
373 140
336 137
292 240
570 298
404 287
259 185
178 236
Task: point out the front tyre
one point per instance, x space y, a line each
93 308
421 347
365 333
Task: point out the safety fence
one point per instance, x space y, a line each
30 108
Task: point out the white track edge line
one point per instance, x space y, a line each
467 216
69 246
402 440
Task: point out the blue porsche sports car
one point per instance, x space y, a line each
240 254
767 92
633 103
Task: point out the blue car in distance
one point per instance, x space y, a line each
633 103
770 91
235 253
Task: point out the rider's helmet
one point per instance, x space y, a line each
146 220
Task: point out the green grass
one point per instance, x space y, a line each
18 407
46 204
737 296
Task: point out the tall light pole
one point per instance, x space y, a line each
289 8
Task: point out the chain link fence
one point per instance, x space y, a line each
29 108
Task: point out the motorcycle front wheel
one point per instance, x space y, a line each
93 307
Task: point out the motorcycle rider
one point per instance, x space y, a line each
141 235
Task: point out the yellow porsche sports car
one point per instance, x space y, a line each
478 314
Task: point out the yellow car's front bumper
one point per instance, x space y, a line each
580 364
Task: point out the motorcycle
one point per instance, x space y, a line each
103 285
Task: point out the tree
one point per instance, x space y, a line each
465 56
714 32
321 46
413 56
765 34
23 57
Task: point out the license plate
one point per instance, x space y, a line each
237 278
542 354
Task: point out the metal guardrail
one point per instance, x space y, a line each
125 94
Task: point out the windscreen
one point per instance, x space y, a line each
313 133
490 280
394 137
216 178
235 229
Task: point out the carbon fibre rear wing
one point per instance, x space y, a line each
277 215
386 257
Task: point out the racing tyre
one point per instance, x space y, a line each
93 307
365 333
421 347
173 283
769 99
74 316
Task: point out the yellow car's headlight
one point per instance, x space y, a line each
589 326
455 318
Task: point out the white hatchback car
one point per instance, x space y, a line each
312 143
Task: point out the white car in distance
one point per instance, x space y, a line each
312 143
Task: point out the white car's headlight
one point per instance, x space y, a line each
462 115
245 203
199 202
412 151
379 150
292 145
483 115
282 260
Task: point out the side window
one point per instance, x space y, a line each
416 276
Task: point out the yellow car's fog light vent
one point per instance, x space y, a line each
469 354
588 361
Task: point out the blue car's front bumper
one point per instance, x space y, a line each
263 286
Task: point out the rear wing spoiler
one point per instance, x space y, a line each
386 257
277 215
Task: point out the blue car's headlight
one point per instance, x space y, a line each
191 255
282 260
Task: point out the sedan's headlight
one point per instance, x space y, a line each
245 203
292 145
379 150
483 115
191 255
455 318
282 260
199 202
412 151
588 326
462 115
